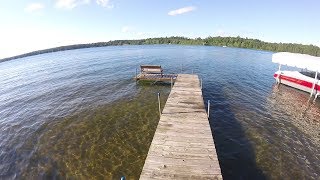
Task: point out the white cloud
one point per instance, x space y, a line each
104 3
182 10
34 7
70 4
127 29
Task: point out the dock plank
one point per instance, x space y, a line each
183 146
155 77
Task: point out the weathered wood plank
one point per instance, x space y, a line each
183 146
156 77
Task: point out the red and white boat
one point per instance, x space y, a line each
306 80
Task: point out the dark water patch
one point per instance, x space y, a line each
235 152
279 145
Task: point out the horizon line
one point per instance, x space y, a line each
55 49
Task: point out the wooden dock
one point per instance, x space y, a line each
183 146
153 73
156 77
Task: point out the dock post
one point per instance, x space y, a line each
279 67
314 83
136 74
208 109
171 82
201 83
278 77
159 104
315 97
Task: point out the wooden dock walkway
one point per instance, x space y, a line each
156 77
183 146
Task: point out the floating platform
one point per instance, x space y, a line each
183 146
153 73
156 77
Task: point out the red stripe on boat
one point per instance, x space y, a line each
297 81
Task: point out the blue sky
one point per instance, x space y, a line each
28 25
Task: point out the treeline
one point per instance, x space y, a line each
240 43
209 41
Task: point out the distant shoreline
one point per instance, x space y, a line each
209 41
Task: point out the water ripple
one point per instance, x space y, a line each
79 114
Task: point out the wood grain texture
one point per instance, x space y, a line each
183 146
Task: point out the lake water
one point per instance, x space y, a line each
78 113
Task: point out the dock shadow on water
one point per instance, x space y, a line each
104 143
275 139
235 152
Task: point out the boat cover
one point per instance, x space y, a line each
297 60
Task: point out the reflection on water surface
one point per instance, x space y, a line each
79 114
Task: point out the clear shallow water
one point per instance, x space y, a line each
79 114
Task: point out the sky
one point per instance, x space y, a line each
29 25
